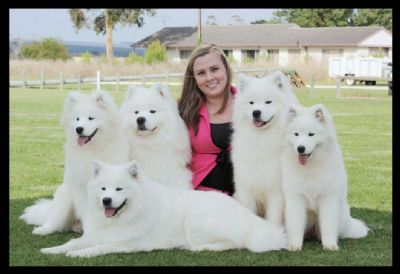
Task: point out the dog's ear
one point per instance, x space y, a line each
243 82
161 89
278 77
131 90
133 169
69 101
97 166
320 112
293 111
103 99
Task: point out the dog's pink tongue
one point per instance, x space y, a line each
82 140
109 212
258 123
303 159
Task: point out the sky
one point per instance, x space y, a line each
36 24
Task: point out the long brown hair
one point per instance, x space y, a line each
192 97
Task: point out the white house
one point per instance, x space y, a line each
279 42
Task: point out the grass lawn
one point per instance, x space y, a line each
363 120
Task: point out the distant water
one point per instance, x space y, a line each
76 50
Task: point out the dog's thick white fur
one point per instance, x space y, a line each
315 180
258 123
93 130
157 136
128 212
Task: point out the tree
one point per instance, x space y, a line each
371 17
237 20
155 52
316 17
335 17
274 20
48 48
105 20
211 20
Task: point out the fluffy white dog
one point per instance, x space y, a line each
157 136
315 180
93 130
128 212
258 124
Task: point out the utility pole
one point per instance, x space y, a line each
199 29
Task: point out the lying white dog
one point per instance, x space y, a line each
93 130
315 180
128 212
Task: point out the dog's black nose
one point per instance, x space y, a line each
79 130
256 114
301 149
107 201
141 120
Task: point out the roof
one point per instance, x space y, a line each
290 35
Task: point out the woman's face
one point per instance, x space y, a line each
210 74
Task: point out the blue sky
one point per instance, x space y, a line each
55 23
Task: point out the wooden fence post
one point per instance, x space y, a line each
338 87
62 81
98 80
41 79
79 81
23 79
313 85
117 87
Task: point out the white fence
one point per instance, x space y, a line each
115 79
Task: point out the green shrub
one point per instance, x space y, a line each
133 58
48 48
86 57
155 53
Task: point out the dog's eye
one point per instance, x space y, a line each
91 118
103 188
118 189
268 102
296 134
311 134
251 102
77 118
136 111
152 111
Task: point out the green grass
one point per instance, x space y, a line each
363 121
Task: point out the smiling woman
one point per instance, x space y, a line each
206 107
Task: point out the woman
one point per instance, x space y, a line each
206 106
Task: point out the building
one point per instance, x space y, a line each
277 42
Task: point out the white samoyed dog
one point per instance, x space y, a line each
128 212
158 137
258 123
93 130
315 180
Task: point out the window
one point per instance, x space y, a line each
228 52
379 52
273 54
249 54
184 54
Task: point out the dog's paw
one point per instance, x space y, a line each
50 250
42 230
294 247
330 247
80 254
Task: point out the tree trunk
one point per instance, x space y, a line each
109 44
